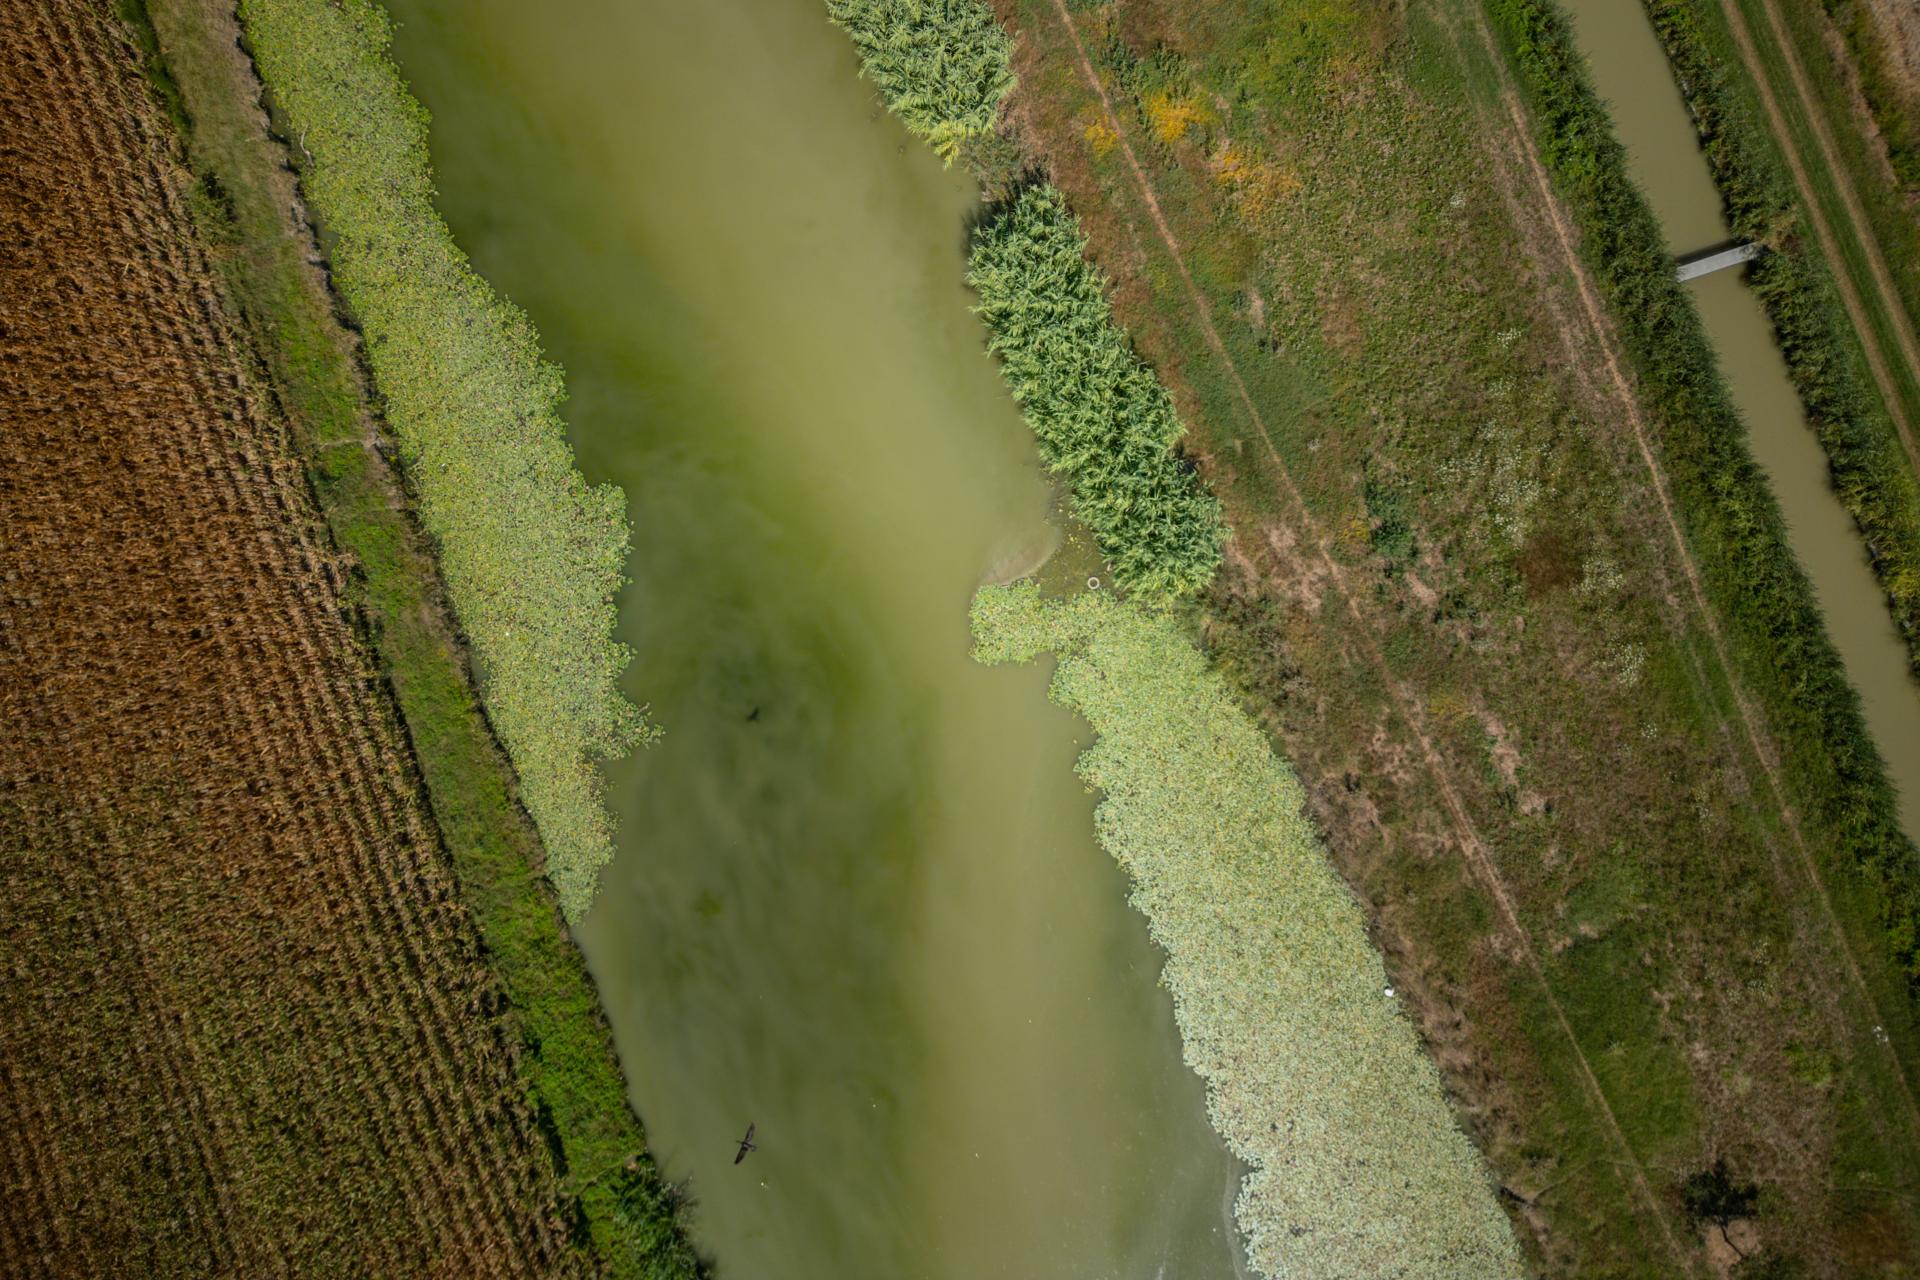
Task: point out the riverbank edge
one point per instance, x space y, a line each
1733 521
624 1215
1468 1230
1870 473
1281 996
533 557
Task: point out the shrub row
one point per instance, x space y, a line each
531 554
1315 1078
942 64
1733 523
1870 470
1102 418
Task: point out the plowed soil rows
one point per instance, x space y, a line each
245 1028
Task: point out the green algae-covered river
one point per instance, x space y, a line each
857 900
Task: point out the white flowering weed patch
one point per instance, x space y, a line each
1314 1077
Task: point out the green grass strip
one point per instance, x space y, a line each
1101 416
625 1217
1894 108
1733 523
531 554
1314 1075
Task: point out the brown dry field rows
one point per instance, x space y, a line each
245 1028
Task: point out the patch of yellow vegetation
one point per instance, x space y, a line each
1355 534
1448 708
1101 138
1171 118
1258 186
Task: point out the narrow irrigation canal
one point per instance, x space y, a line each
1631 72
857 900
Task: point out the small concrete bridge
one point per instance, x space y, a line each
1691 266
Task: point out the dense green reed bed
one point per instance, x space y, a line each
531 554
941 64
1314 1076
1101 417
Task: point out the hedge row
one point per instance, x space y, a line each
1733 523
531 554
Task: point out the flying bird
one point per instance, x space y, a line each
746 1145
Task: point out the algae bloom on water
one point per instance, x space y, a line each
1314 1076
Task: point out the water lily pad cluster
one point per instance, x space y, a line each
1314 1075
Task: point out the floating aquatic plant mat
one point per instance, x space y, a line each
531 553
1314 1076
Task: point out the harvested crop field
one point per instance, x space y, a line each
247 1028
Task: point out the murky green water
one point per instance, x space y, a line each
857 900
1631 72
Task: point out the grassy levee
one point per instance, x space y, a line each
1314 1075
1454 597
1733 523
1888 206
627 1222
530 553
1887 216
1894 106
1870 471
